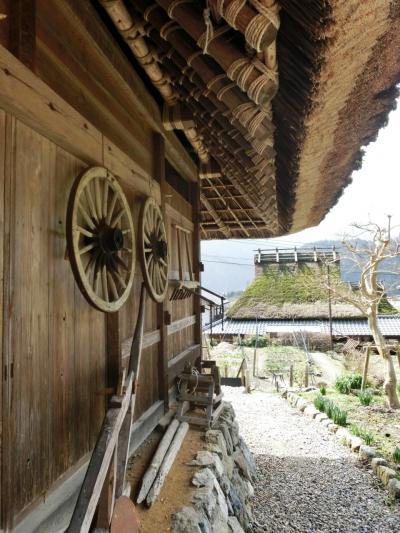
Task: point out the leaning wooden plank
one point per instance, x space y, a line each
154 467
167 463
98 466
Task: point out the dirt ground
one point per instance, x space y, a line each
177 489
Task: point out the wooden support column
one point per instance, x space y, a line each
162 308
23 31
114 353
196 254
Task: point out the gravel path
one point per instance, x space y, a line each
307 481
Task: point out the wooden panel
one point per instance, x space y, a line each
22 41
55 341
4 22
29 317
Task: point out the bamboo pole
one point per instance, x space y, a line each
258 28
291 376
207 73
224 51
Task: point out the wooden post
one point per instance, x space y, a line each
23 31
114 356
226 371
196 254
162 310
366 363
306 375
247 381
291 376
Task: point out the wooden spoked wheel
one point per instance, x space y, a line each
101 239
153 248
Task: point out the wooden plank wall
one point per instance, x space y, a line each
54 355
54 345
179 212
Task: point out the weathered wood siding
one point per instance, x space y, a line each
59 356
54 343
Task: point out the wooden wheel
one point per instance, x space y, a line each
101 239
153 249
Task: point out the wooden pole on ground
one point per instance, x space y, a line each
291 376
366 363
154 467
167 462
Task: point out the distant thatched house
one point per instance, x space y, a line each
288 287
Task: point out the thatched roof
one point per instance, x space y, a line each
286 293
273 100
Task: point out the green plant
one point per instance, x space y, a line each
345 383
396 455
319 403
339 416
362 432
365 397
322 390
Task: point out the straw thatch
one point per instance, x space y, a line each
297 311
274 99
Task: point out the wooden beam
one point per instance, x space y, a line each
149 339
183 323
221 225
23 31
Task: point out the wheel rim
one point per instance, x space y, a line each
101 239
154 253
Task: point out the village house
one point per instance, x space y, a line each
129 131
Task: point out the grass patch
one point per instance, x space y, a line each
322 390
323 404
362 432
365 397
396 455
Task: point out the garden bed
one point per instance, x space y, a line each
381 423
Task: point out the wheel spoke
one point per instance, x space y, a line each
85 215
112 286
120 261
125 231
119 279
105 198
87 248
97 194
104 283
96 274
117 217
163 274
148 250
85 231
112 207
90 202
163 262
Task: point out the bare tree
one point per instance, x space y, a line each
370 261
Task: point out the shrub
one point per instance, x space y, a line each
345 383
322 390
362 432
396 455
365 397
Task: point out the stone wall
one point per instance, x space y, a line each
221 502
